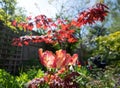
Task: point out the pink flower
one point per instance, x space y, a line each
58 60
47 58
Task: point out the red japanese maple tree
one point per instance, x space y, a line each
60 30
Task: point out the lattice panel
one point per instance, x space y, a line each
10 56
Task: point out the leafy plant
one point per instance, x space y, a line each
9 81
109 47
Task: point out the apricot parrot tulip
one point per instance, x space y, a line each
58 60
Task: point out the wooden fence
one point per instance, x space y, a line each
11 57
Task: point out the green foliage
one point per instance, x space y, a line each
98 78
4 18
9 81
110 42
95 78
84 76
106 78
8 6
109 46
9 12
27 76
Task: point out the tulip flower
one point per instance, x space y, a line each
58 60
47 58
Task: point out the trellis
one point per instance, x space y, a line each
10 56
